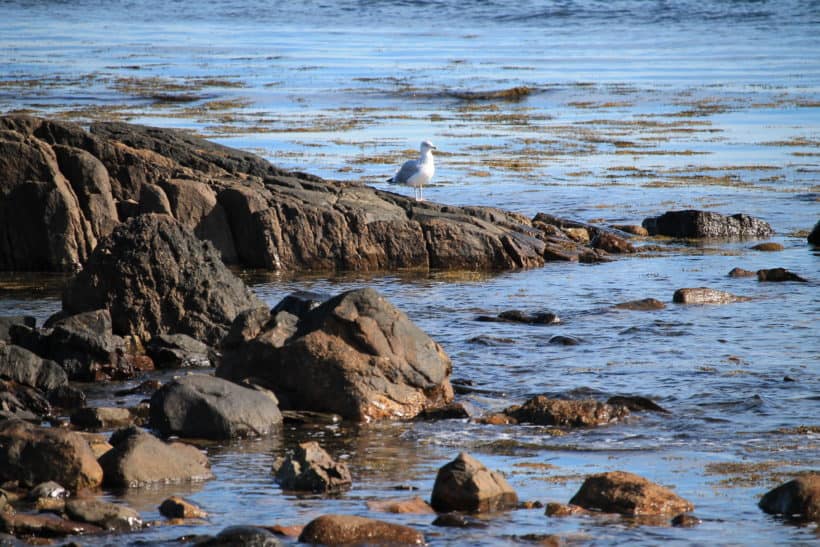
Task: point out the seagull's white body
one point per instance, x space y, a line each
417 173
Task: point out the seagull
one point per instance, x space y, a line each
417 173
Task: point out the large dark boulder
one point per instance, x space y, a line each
797 499
814 235
200 406
355 355
154 276
692 223
32 454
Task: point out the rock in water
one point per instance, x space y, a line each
212 408
542 410
704 295
154 277
349 529
798 498
628 494
706 224
355 355
465 484
814 237
311 469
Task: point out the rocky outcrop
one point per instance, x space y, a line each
154 277
628 494
67 188
355 355
201 406
350 529
466 485
310 468
797 499
139 459
542 410
707 224
32 454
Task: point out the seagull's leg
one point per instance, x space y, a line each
421 192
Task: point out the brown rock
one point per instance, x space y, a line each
414 505
632 229
703 295
179 508
44 525
102 417
32 454
342 529
312 469
740 272
769 246
110 516
140 459
542 410
685 521
628 494
564 510
644 304
465 484
578 234
798 498
778 274
611 243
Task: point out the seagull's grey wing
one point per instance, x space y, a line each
406 171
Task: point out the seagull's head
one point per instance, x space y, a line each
426 146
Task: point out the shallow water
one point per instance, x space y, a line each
637 108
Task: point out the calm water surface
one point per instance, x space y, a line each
636 108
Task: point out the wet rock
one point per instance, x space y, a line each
685 521
355 355
706 224
414 505
779 274
32 454
814 237
628 494
27 368
178 351
769 246
110 516
636 403
341 529
797 499
458 520
156 277
311 469
554 509
510 94
23 402
213 408
518 316
140 459
464 484
48 489
451 411
563 340
740 272
6 322
578 234
644 304
632 229
541 410
611 243
246 536
704 295
102 418
179 508
44 525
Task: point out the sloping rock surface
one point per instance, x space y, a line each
67 188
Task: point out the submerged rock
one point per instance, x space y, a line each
740 272
32 455
644 304
179 508
779 274
465 484
206 407
518 316
355 355
111 516
628 494
706 224
414 505
798 499
311 469
155 277
246 536
704 295
769 246
636 403
541 410
139 459
350 529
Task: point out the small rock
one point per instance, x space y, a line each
562 340
740 272
798 498
769 246
636 403
246 536
178 508
178 351
414 505
628 494
458 520
644 304
451 411
110 516
497 418
102 418
580 235
67 397
704 295
685 520
518 316
564 510
778 274
286 531
49 489
340 529
465 484
542 410
44 525
609 242
311 469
